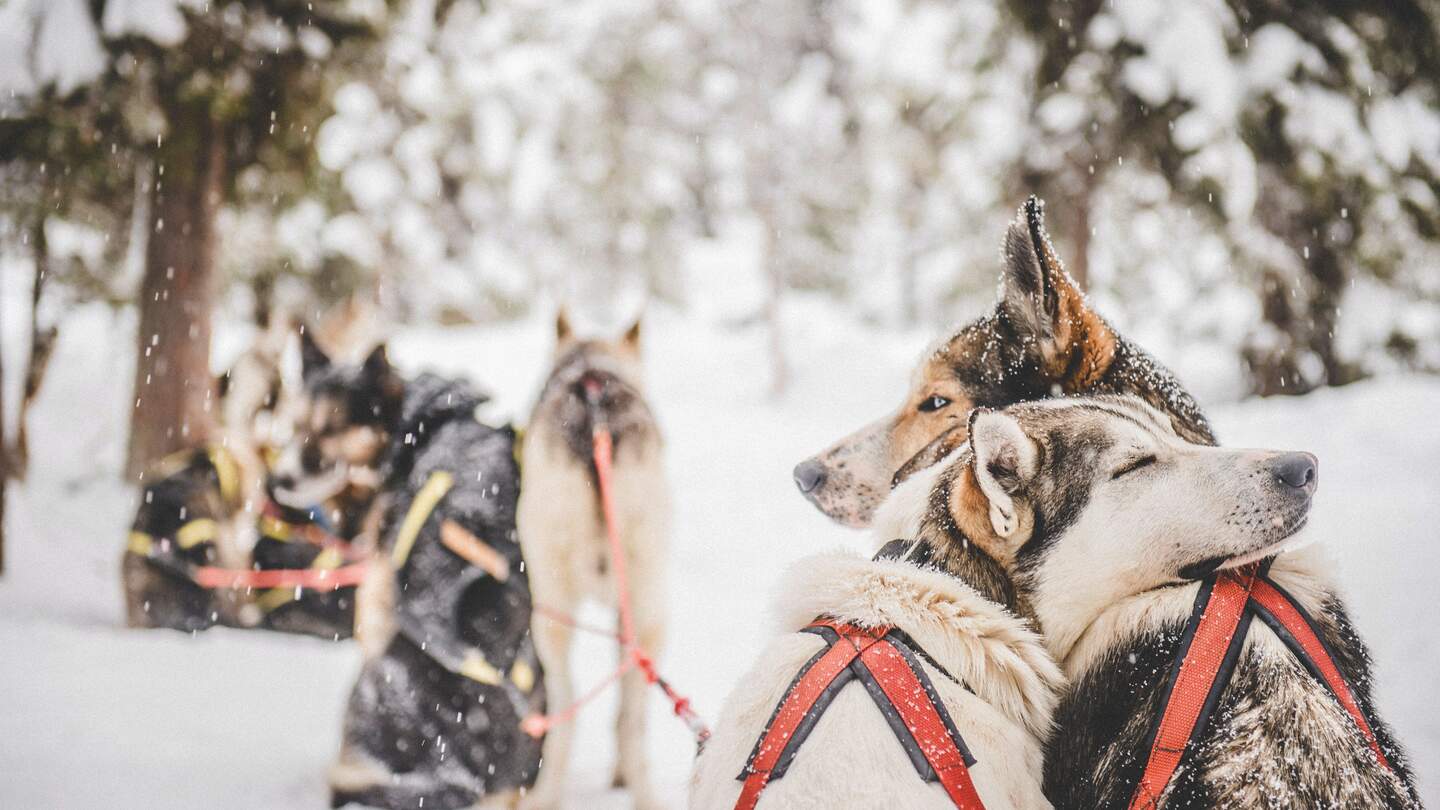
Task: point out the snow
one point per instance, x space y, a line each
157 20
92 714
67 51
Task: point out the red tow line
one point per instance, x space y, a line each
634 655
320 579
213 577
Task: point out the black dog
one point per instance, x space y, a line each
305 539
185 509
449 486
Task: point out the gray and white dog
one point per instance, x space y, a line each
562 531
1102 519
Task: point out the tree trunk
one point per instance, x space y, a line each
173 385
775 288
4 455
42 346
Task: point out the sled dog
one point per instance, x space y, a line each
198 505
1042 339
944 591
446 485
1112 525
564 536
193 512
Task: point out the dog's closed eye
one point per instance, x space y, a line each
1140 462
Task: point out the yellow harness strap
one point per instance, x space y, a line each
190 535
228 471
274 528
328 559
522 676
197 531
139 543
425 502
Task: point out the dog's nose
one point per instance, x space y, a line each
809 475
1296 470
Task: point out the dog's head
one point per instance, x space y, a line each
1084 502
341 423
1041 339
594 380
250 390
620 355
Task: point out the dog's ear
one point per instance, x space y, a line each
563 332
377 372
313 359
631 339
1006 460
1045 306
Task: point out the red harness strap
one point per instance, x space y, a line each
883 659
1195 678
1312 651
1208 652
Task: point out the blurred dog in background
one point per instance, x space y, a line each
594 383
435 717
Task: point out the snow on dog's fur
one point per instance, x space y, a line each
1107 517
562 532
952 596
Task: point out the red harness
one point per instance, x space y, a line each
886 662
1209 650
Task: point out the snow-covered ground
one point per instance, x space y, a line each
94 715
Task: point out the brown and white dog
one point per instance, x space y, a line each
1042 339
562 532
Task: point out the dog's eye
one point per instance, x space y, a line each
933 403
1133 465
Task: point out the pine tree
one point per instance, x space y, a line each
1305 135
181 110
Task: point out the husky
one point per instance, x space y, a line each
946 586
1041 339
563 531
435 718
198 505
1107 520
193 512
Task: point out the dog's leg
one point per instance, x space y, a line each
552 645
648 603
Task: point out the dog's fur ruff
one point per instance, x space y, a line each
563 532
1042 339
852 758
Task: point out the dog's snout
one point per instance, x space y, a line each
809 475
1296 470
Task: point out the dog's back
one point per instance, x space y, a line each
990 673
